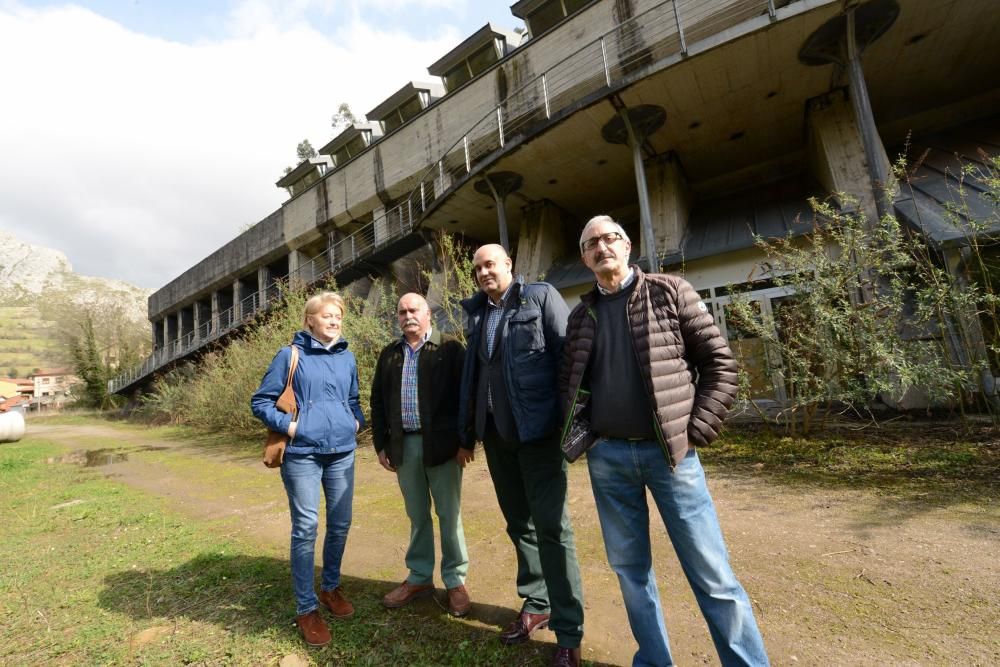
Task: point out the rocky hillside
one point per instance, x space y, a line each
42 302
30 273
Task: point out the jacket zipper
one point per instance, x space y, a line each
576 394
652 403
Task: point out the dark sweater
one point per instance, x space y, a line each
619 404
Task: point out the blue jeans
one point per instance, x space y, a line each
620 473
304 475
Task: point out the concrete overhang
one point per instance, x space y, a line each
736 110
474 42
319 164
374 131
435 90
524 7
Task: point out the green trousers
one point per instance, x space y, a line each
530 483
443 484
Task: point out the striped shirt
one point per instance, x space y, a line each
408 387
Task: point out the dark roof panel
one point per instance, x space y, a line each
944 196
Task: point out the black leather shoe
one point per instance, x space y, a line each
566 657
522 627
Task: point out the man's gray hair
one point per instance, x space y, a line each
597 220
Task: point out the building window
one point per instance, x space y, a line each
550 13
392 121
410 108
458 75
545 17
481 60
304 183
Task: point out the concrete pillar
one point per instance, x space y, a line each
263 282
294 262
669 203
237 305
542 239
837 153
215 313
196 322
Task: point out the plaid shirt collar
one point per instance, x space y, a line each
423 339
503 297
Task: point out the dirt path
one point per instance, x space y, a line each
837 577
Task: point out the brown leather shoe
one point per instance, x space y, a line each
522 627
406 593
313 628
336 602
458 601
566 657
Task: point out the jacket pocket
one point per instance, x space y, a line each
305 431
525 331
342 422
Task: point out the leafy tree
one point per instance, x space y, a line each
344 117
12 372
305 150
90 368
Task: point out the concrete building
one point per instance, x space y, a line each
55 382
697 123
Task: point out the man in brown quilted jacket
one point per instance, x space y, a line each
645 351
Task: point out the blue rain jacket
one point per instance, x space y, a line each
326 392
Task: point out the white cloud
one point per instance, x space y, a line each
138 156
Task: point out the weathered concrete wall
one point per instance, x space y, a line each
389 171
258 244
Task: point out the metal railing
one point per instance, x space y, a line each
666 30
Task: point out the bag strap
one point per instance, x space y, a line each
288 392
294 364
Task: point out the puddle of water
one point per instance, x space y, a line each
90 458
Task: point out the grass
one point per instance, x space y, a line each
99 573
932 460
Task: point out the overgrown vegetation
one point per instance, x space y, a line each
872 312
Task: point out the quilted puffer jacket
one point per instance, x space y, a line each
689 371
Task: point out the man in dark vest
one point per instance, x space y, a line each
661 379
414 406
509 394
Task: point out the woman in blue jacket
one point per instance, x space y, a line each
320 454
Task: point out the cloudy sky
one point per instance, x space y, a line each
137 136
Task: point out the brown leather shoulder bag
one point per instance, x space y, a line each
274 446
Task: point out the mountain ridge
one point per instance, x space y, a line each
28 270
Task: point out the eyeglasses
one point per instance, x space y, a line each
607 239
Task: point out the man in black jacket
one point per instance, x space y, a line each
414 406
509 396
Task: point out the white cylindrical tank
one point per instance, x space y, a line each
11 426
